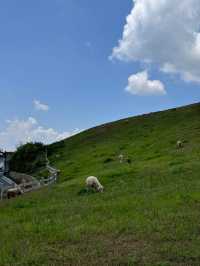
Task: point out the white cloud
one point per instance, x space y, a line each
23 131
165 32
139 84
40 106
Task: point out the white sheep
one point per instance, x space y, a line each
14 192
179 144
93 182
121 158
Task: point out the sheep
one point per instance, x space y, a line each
179 144
121 158
124 159
93 182
14 192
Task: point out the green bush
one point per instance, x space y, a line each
28 158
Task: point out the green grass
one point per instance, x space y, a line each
149 213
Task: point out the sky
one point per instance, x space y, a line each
68 65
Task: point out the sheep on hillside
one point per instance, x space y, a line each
93 182
124 159
121 158
14 192
179 144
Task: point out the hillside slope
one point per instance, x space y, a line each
148 215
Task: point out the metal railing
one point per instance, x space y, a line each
26 187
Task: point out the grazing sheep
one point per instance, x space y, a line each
14 192
124 159
179 144
93 182
121 158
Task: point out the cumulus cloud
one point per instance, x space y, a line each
139 84
23 131
40 106
166 33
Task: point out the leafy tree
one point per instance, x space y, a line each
28 158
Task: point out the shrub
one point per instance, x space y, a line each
28 158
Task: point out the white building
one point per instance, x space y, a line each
5 181
2 163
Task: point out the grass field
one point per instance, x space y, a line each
149 213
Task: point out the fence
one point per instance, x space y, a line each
26 187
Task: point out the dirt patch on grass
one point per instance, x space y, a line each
120 250
103 250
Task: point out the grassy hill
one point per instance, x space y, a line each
148 215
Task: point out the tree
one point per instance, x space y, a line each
28 158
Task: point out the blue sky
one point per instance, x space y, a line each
57 52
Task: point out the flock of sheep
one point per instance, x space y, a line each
92 182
